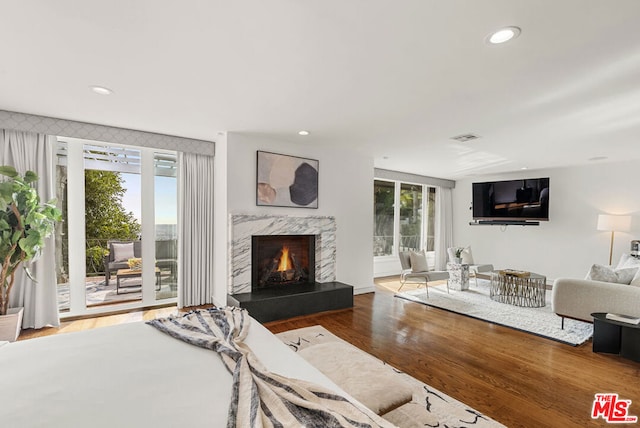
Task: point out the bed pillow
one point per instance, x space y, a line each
636 279
418 261
608 274
122 252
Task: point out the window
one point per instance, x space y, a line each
410 217
404 217
383 200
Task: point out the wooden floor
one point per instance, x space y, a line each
101 321
519 379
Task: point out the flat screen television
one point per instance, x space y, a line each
511 200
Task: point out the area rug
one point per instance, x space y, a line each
429 406
475 303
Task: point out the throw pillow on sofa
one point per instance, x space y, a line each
608 274
632 262
624 258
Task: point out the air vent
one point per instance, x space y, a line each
465 137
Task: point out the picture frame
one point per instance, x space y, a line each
286 181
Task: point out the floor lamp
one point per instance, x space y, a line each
614 223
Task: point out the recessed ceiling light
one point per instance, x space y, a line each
101 90
524 167
303 132
598 158
504 35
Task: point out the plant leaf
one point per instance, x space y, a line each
8 171
30 177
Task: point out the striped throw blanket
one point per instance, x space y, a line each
260 398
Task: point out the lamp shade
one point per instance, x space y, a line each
614 223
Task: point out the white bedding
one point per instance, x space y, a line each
129 375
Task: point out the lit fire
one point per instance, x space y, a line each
284 260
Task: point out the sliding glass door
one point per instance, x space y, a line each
120 211
166 224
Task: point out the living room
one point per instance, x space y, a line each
374 91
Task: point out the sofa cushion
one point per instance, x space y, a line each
636 279
607 274
579 298
418 261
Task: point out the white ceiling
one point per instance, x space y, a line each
391 79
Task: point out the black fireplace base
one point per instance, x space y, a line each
287 302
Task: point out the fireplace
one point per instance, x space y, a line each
279 299
279 261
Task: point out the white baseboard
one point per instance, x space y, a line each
364 290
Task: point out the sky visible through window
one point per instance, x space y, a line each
166 199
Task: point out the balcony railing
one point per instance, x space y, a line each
383 244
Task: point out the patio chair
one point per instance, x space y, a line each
167 255
119 254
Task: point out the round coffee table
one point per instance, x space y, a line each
527 291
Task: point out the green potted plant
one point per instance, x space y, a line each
24 225
458 253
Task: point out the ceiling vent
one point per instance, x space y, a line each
465 137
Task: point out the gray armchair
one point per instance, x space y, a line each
119 254
408 275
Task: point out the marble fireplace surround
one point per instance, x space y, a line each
243 226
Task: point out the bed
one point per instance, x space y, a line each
129 375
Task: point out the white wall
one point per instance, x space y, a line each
345 191
568 244
220 223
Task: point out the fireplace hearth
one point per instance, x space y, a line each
282 261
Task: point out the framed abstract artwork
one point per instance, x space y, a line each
286 181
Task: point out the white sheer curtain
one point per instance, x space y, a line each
444 225
27 151
195 223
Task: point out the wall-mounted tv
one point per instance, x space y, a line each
517 200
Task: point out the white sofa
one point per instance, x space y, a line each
579 298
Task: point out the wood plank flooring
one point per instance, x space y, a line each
100 321
519 379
